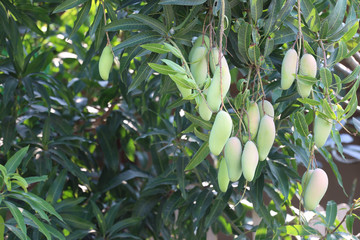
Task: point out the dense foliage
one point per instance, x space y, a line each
128 158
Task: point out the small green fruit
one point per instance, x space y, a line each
305 179
232 153
265 107
199 71
204 110
249 160
185 92
303 89
220 132
288 69
214 93
322 130
265 136
198 54
223 178
308 65
199 42
105 62
252 119
315 189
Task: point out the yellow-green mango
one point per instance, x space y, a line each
198 54
232 154
265 136
249 160
303 89
308 65
305 179
214 93
220 132
223 178
265 107
322 130
204 110
214 62
105 62
252 119
199 71
315 189
199 42
288 69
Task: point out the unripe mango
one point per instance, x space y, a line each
199 71
249 160
308 65
105 62
198 54
220 132
204 110
322 130
305 179
265 137
268 108
303 89
199 42
232 154
214 61
214 93
252 119
223 178
288 69
315 189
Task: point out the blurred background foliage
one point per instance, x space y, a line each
114 152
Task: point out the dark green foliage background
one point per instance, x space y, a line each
115 152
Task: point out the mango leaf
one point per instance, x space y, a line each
17 216
173 50
126 24
297 230
67 5
350 223
254 54
284 35
199 156
180 173
198 121
328 111
162 69
336 15
174 66
81 17
151 22
309 101
311 15
244 37
331 211
139 38
301 125
352 76
326 77
155 47
128 222
55 191
12 164
38 223
342 51
306 79
182 2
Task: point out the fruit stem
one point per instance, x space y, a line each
106 33
220 48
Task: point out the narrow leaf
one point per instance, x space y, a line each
199 156
151 22
331 211
15 160
17 215
67 5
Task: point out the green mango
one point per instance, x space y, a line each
265 107
223 178
315 189
288 69
265 136
214 92
322 130
252 119
105 63
220 132
204 110
232 154
249 160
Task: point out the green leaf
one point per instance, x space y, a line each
99 217
281 177
67 5
56 188
351 107
173 50
326 77
2 228
328 111
37 222
77 222
17 232
126 24
17 215
309 48
8 130
182 2
123 224
12 164
144 71
138 39
180 173
198 121
9 90
349 223
298 230
215 211
274 9
352 76
311 15
108 145
309 101
183 82
351 32
336 16
174 66
151 22
54 232
331 212
97 20
19 181
256 8
155 47
254 54
306 79
269 46
301 125
284 35
199 156
81 17
341 53
162 69
244 37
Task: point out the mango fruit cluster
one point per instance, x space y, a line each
314 184
240 161
307 68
